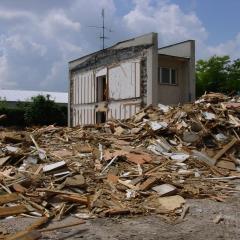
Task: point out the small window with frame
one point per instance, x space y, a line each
167 76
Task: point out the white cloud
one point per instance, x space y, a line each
91 9
23 44
231 47
6 14
15 42
68 49
174 25
167 19
39 48
33 49
3 68
55 74
5 82
57 21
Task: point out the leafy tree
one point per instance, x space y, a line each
43 111
212 74
233 81
3 103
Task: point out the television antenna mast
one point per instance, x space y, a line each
103 28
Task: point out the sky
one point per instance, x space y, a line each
39 38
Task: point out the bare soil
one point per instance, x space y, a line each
198 224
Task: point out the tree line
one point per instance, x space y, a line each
218 74
39 111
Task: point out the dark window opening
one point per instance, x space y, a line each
100 117
165 76
102 88
173 76
168 76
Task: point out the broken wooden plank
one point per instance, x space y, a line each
6 198
225 149
41 152
3 160
35 205
114 212
95 197
10 211
74 198
148 183
109 164
19 188
127 184
38 223
56 191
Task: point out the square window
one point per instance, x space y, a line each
168 76
165 75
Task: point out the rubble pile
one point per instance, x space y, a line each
147 164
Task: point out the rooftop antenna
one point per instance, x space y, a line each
103 28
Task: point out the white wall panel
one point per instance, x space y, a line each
86 114
83 114
84 87
74 89
124 80
123 109
138 77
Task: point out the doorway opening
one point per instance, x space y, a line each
102 88
101 117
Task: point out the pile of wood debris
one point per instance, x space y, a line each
149 163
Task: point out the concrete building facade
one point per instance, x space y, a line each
118 81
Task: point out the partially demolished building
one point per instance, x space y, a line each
116 82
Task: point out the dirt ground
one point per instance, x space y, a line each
198 224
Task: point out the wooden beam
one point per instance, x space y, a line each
10 211
225 149
6 198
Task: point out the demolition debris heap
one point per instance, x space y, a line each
150 163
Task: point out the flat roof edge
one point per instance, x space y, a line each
174 44
167 55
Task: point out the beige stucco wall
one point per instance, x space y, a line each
174 94
184 49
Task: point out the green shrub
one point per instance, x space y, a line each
40 111
43 111
15 116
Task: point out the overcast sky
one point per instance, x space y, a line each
38 38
